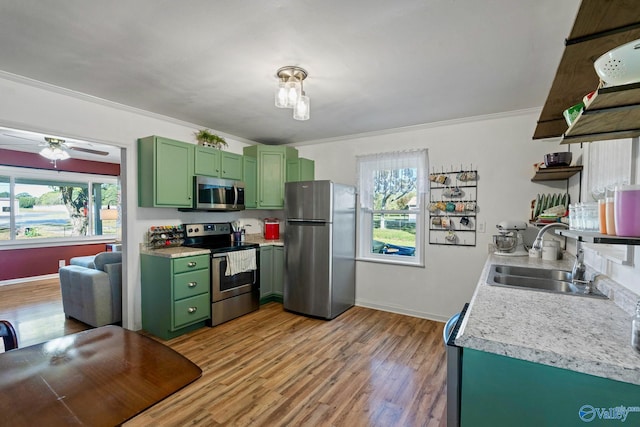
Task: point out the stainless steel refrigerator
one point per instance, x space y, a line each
319 248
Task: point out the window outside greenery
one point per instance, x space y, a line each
391 187
394 230
41 208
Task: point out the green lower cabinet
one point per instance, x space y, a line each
266 272
278 271
175 294
271 273
503 391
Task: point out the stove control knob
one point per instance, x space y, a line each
190 230
197 229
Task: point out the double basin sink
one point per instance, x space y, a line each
540 279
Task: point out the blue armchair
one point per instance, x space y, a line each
92 288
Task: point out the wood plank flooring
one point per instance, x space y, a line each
275 368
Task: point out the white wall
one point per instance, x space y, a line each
41 108
501 149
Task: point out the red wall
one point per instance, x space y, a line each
19 263
33 160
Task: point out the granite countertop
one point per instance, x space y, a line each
582 334
175 251
259 239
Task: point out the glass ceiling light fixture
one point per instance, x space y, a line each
290 93
54 151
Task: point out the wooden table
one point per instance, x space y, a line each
99 377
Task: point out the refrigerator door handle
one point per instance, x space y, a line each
319 221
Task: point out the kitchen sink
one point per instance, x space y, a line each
540 279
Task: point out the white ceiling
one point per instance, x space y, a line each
373 65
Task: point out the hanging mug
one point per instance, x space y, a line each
450 236
436 221
450 207
446 222
464 221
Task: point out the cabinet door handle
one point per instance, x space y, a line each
192 284
191 264
192 309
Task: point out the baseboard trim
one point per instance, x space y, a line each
398 310
28 279
271 298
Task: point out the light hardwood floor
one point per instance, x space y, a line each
275 368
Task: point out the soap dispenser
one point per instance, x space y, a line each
635 329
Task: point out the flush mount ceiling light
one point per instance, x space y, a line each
290 93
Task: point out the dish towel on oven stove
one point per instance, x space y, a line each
240 261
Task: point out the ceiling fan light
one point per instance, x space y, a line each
301 109
54 153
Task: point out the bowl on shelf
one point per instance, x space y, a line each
557 159
620 66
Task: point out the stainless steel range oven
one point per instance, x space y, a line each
234 295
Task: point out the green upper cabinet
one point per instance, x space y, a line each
300 169
272 173
207 161
231 165
165 173
250 178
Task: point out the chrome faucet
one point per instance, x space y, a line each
537 244
579 269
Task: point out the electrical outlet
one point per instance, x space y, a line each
61 263
481 227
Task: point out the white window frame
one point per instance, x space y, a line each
366 213
72 177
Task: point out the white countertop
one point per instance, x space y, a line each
583 334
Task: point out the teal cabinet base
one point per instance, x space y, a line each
503 391
271 298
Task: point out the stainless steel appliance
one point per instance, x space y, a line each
319 248
218 194
454 367
231 296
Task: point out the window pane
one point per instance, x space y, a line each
394 234
395 189
105 197
5 208
47 210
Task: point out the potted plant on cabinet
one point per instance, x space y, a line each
208 139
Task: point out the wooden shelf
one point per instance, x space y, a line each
613 113
598 28
556 173
593 237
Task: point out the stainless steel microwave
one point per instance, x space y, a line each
218 194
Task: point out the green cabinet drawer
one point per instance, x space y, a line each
190 284
181 265
190 310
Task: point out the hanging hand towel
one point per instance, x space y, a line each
240 261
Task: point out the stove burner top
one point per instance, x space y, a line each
213 236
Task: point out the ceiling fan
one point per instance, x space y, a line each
57 149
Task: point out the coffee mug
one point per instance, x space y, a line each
464 221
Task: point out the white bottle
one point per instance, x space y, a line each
635 329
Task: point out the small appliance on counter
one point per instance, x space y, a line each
271 228
510 241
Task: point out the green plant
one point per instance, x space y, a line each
205 137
